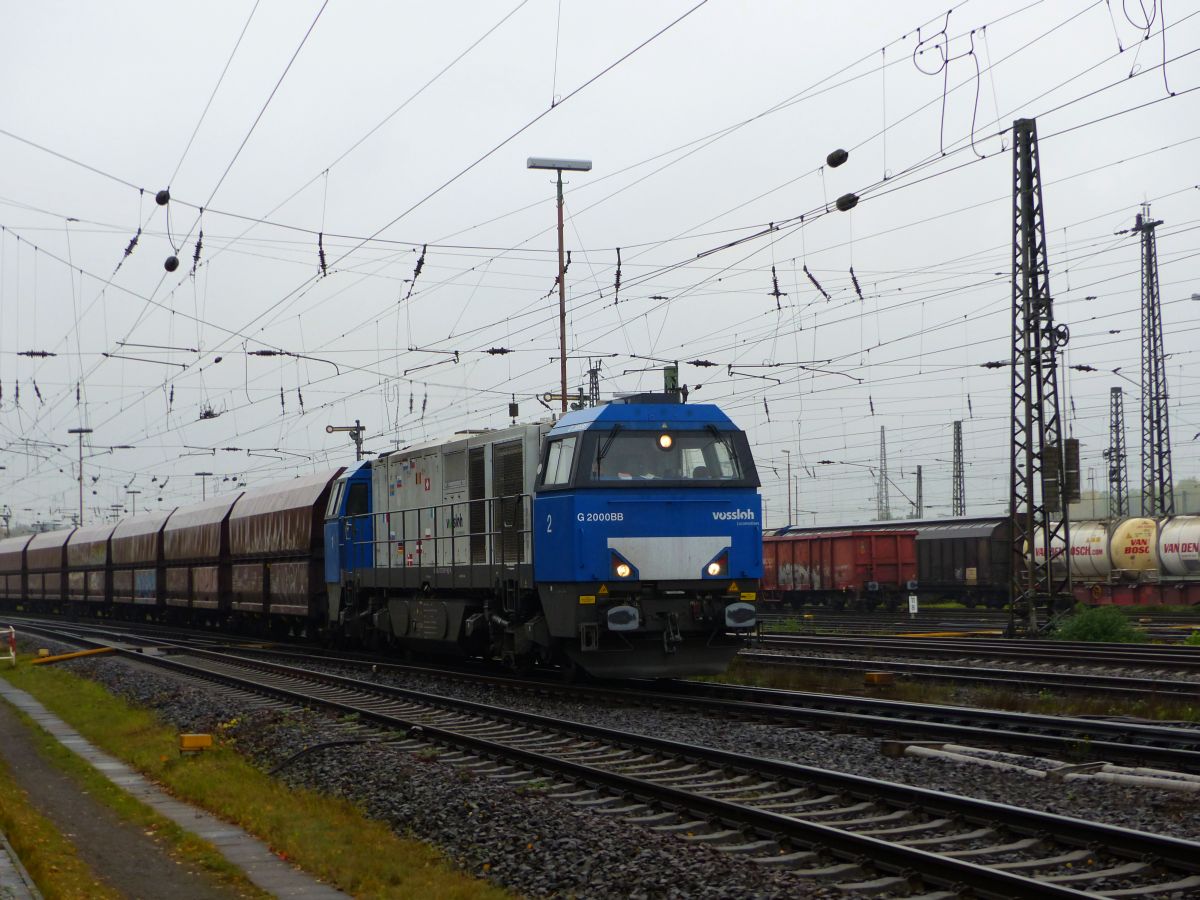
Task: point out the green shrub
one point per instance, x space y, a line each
1101 624
1193 639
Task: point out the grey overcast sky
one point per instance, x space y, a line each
398 132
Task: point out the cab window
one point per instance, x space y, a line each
357 499
559 455
335 500
689 457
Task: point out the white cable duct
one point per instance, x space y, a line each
1107 772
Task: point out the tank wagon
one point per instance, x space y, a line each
623 540
1137 561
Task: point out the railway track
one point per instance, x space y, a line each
1129 741
1053 683
937 622
1132 656
1123 741
863 834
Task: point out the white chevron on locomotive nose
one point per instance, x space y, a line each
663 558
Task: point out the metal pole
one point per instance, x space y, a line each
958 503
788 455
1158 495
562 300
80 432
1040 584
203 476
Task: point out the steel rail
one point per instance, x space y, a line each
1071 738
1120 741
902 861
1135 655
1183 857
1138 688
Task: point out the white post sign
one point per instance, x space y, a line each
912 604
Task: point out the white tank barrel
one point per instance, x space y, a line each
1090 559
1056 549
1179 546
1134 547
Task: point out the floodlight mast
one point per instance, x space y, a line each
559 165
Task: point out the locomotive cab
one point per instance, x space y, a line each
348 535
647 537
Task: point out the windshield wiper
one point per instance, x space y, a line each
602 451
720 436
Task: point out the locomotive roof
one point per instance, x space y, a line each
472 438
644 416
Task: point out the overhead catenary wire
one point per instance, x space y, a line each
633 295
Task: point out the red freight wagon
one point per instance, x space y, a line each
841 568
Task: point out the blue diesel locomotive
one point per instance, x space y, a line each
622 541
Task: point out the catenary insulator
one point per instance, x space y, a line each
847 202
836 158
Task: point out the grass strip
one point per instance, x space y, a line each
47 855
326 836
181 844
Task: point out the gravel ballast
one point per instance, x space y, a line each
1159 812
517 837
542 846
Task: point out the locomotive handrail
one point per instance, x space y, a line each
439 537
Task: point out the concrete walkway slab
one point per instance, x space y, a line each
15 883
261 866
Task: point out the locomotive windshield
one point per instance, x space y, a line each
617 456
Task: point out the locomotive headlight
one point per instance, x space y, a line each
714 568
623 570
665 442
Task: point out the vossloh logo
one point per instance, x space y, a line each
734 515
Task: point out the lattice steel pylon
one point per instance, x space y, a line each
883 504
1118 469
1040 584
1158 490
594 382
958 502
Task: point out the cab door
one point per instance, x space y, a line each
358 532
333 534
